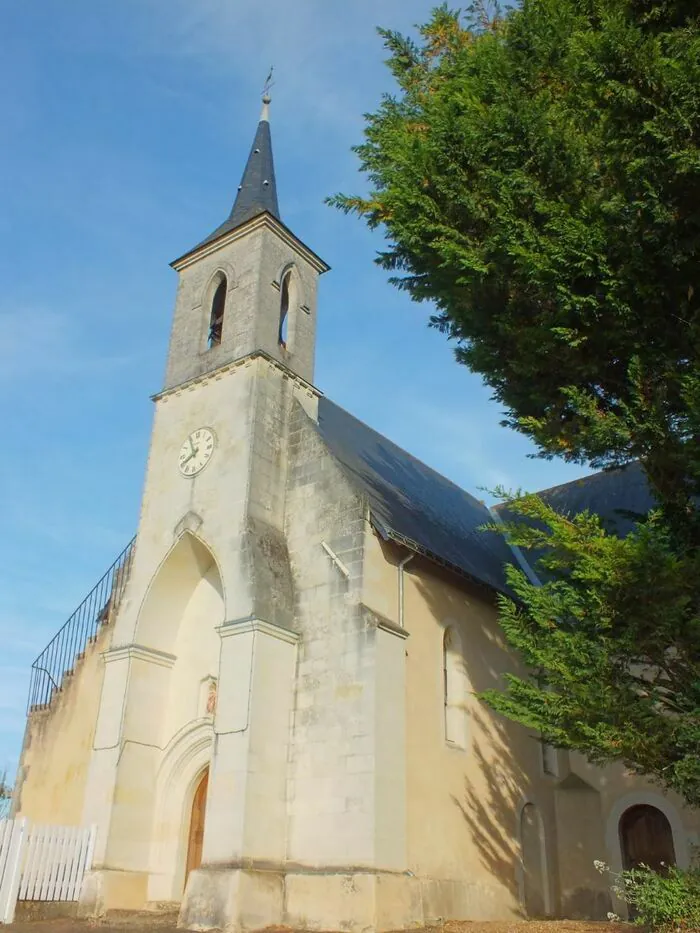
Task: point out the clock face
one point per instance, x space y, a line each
196 451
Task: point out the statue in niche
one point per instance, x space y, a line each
211 698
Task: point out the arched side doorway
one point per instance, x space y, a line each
196 833
184 763
534 882
646 838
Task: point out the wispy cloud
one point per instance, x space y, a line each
57 347
325 54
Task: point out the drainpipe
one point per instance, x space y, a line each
401 565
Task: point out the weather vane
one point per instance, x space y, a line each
268 83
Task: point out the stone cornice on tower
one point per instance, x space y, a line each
311 390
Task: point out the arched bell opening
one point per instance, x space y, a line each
217 312
286 289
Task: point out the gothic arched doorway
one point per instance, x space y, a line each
646 838
196 833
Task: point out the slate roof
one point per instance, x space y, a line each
257 192
619 497
615 495
413 504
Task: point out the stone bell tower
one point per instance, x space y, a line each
209 610
249 286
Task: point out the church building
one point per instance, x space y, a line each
267 705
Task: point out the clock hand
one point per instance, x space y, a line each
195 451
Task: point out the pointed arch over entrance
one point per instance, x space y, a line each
646 838
179 616
189 570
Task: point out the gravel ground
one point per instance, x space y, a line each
539 926
137 926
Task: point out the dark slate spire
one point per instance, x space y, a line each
257 191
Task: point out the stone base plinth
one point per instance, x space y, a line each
354 902
109 889
232 899
242 900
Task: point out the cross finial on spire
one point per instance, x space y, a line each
266 97
268 83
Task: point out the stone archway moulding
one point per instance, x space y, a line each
224 269
650 799
184 759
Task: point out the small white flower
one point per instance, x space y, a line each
612 916
599 866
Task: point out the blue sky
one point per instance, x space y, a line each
125 127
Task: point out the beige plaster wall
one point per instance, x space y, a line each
58 743
462 803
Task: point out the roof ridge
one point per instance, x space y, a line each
583 479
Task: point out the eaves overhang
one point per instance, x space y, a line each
390 534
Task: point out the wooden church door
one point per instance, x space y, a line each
196 837
646 838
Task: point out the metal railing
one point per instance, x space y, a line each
68 644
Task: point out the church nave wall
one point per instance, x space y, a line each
58 744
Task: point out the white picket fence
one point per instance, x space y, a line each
42 863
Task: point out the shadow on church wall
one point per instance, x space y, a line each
501 768
487 783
